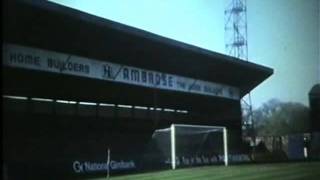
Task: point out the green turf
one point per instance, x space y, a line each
281 171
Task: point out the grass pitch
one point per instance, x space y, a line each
279 171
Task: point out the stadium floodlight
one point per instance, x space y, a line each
192 141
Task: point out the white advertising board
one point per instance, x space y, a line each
50 61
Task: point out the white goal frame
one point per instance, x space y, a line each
173 141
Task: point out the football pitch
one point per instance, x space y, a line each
279 171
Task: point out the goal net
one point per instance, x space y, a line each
191 145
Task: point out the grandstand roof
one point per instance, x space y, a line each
62 29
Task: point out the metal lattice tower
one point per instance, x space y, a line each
236 45
236 29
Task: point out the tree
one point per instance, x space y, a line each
275 118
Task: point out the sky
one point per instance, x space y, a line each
282 34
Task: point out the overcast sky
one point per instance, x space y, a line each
282 34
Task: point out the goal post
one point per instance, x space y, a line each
207 129
225 146
204 129
191 145
182 145
173 146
